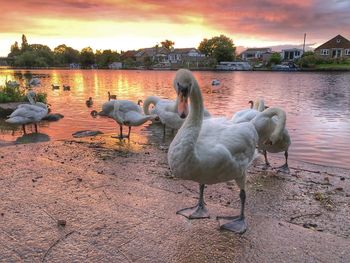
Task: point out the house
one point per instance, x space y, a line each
156 54
180 55
337 47
254 53
291 54
115 65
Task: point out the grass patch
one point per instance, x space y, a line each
17 94
333 66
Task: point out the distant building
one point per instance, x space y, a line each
180 55
255 53
291 54
115 65
74 65
337 47
156 54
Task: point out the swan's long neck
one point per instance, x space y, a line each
261 106
30 99
188 134
148 101
281 121
116 114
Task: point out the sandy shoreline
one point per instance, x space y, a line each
119 202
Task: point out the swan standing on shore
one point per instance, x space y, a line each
167 111
209 151
249 114
283 143
129 114
28 113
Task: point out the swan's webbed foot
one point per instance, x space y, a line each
197 212
235 224
284 168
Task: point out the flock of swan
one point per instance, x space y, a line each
205 149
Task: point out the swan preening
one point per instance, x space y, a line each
282 145
29 113
167 111
125 113
215 150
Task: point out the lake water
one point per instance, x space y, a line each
317 104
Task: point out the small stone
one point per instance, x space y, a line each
61 222
79 179
339 188
2 214
342 178
33 180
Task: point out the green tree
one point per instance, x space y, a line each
15 51
220 47
106 57
24 45
87 57
168 44
275 58
65 55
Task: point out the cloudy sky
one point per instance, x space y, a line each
132 24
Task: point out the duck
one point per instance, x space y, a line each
166 110
55 86
29 113
124 114
111 97
209 151
89 102
66 87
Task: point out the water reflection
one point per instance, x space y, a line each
317 104
33 138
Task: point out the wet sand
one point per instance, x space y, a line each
118 202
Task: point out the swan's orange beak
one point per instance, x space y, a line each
182 107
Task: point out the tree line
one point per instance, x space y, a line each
220 48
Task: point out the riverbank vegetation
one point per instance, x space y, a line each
10 93
312 61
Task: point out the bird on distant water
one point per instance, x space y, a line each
89 102
111 96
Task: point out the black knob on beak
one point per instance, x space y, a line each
183 116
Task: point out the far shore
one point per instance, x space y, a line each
325 69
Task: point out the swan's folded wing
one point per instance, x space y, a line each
28 111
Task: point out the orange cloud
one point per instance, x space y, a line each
124 24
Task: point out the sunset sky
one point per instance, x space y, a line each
132 24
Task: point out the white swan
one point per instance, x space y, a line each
129 114
249 114
29 113
210 151
282 145
167 111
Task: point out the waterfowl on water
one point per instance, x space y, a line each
111 96
89 102
66 87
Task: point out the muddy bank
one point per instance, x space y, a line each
118 202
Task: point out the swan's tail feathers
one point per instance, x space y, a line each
15 120
148 101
